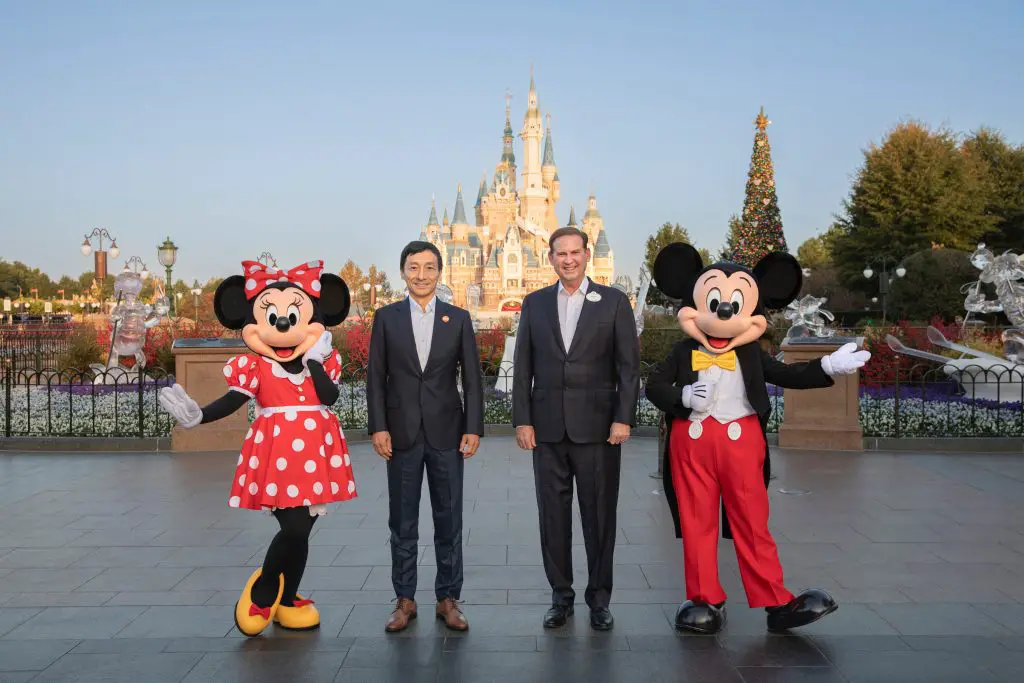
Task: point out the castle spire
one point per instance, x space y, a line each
572 217
460 211
482 192
508 155
433 213
549 150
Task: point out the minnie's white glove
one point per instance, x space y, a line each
180 405
845 361
321 350
698 396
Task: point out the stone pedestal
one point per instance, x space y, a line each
199 368
821 419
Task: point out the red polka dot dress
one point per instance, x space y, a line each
294 452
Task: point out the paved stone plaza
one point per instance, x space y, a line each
125 568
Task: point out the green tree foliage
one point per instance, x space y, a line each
914 190
931 286
731 237
667 234
814 253
1002 167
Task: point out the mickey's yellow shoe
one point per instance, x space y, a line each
250 618
301 616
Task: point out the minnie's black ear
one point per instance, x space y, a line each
779 279
675 268
230 304
335 299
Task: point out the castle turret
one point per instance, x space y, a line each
460 226
433 227
479 205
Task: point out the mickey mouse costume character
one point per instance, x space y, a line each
294 459
712 389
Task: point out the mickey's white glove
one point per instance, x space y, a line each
320 351
180 405
698 396
845 361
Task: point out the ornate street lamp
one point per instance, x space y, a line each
167 254
100 254
267 259
374 279
884 278
196 291
133 264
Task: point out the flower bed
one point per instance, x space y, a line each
86 410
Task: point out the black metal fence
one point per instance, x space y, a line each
34 346
958 399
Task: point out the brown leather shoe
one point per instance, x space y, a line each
405 610
448 611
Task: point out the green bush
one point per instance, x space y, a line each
84 349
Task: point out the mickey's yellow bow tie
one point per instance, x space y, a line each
703 361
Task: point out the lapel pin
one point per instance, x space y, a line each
444 318
593 296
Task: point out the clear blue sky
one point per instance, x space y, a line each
303 127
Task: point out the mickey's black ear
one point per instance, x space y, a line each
675 268
230 304
779 279
334 299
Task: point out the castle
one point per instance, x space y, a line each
495 262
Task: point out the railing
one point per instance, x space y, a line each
34 346
919 401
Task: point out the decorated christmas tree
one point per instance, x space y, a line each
760 231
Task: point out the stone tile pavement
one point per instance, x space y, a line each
125 567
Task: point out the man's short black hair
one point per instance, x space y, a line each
565 232
418 247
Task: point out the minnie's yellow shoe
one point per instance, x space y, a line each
301 616
250 618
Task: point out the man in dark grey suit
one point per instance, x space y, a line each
574 395
418 421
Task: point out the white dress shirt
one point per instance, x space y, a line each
569 307
422 328
729 401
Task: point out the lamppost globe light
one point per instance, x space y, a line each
167 253
807 272
144 274
868 273
900 271
114 249
366 286
86 248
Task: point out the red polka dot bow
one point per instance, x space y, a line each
259 276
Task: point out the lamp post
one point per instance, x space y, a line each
374 278
100 254
133 264
167 254
267 259
884 278
196 291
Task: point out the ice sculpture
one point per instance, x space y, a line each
131 320
809 319
984 375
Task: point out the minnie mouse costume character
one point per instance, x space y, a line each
712 389
295 459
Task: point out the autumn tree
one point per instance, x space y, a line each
1002 177
915 189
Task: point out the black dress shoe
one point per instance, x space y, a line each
557 616
700 617
804 609
601 619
